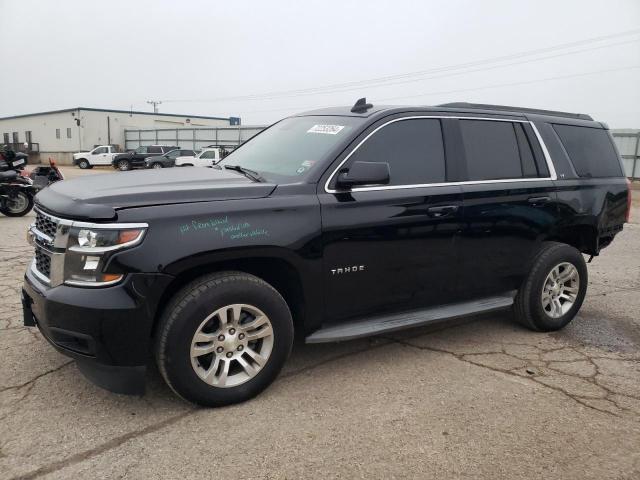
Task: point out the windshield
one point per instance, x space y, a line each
290 149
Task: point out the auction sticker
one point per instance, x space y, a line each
326 129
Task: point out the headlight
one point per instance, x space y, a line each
88 250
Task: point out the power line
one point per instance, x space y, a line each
525 82
407 77
486 87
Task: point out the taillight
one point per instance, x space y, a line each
628 215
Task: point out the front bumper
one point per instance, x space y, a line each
106 330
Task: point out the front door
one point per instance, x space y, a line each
99 156
393 247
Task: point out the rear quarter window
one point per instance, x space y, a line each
590 150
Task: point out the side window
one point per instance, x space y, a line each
413 149
590 150
154 149
209 154
496 150
100 150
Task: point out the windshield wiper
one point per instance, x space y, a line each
252 174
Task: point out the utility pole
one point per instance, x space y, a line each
155 104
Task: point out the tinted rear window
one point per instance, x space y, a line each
493 152
590 150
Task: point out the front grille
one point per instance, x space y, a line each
46 225
43 262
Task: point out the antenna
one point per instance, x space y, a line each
155 104
361 106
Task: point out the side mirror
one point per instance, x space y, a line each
364 173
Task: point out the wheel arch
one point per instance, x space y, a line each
280 272
583 237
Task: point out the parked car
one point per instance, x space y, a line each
168 159
135 159
333 225
206 158
101 155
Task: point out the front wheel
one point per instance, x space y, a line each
156 165
83 164
554 290
223 339
17 204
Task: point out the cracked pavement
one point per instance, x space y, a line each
479 397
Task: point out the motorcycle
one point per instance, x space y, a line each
44 176
16 191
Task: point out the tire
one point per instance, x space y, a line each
84 164
123 165
156 165
19 207
554 289
199 308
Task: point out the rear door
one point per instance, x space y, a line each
510 204
392 247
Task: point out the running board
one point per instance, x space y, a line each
414 318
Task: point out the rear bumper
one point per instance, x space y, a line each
106 330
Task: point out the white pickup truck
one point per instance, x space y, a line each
206 158
101 155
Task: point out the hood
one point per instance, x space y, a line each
80 154
97 197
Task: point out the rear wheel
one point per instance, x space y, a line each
554 290
224 338
17 204
83 164
124 165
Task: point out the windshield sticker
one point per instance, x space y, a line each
304 166
326 129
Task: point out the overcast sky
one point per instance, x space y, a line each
224 57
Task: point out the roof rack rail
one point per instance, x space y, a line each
481 106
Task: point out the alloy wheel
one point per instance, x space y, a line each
232 345
560 290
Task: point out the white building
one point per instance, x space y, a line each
60 133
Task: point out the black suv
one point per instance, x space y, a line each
167 160
135 158
333 224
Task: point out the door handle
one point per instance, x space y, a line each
539 200
441 211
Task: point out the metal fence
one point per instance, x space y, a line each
628 143
193 138
629 147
